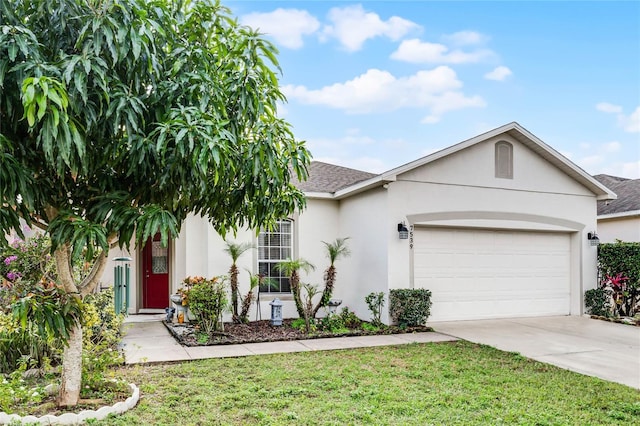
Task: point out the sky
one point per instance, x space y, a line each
373 85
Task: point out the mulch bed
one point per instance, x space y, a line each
263 331
623 320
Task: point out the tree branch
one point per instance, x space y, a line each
90 282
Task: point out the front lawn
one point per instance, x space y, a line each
420 384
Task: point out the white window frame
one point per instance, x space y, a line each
269 255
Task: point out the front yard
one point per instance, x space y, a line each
421 384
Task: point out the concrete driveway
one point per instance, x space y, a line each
588 346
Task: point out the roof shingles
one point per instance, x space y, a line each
324 177
628 191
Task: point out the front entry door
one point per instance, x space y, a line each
155 270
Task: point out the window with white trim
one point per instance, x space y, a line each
504 160
275 246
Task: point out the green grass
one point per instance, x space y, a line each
456 383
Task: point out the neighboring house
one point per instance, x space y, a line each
619 219
497 227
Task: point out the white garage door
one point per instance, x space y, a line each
475 274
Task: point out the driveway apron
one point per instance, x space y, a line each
593 347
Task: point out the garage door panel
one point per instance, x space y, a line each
475 274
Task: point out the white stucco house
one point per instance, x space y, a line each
497 225
619 219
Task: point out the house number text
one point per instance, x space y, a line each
410 237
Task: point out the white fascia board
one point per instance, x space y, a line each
602 192
606 193
630 213
362 186
319 195
392 174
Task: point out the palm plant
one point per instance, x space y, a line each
254 281
335 251
290 268
235 250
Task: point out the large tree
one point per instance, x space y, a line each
118 118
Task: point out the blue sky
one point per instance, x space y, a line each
375 84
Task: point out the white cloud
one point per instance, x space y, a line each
464 38
630 123
283 111
375 91
608 158
352 26
630 170
286 26
430 119
498 74
419 52
611 147
590 161
607 107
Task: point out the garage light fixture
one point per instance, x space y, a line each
403 232
593 238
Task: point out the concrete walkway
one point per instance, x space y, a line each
147 340
588 346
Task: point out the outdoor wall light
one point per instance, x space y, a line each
403 232
593 238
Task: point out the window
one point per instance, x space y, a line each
274 246
504 160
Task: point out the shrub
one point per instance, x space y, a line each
101 334
333 323
409 307
34 322
375 302
207 301
597 302
619 267
349 318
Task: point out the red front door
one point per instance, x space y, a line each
155 278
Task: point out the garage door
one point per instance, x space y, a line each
475 274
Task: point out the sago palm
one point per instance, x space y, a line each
335 251
290 268
235 250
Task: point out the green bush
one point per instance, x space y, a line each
620 258
409 307
349 318
101 334
207 300
619 267
375 302
332 323
597 302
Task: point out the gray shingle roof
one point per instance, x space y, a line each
628 191
324 177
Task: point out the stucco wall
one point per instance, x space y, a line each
461 190
364 218
624 229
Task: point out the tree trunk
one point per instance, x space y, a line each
233 272
329 281
70 381
71 369
294 282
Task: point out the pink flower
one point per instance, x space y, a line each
9 259
12 276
